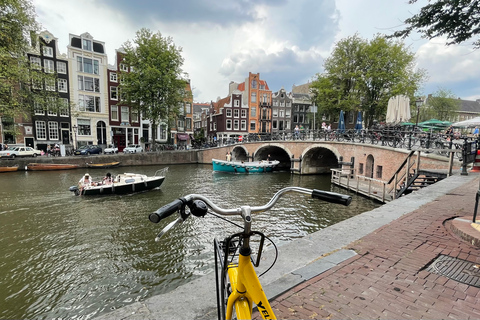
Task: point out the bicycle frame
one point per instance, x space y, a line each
246 288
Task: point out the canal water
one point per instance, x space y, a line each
64 256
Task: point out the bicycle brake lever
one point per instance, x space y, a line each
167 228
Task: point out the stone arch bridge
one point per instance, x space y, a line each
312 157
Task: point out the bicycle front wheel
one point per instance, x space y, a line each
221 280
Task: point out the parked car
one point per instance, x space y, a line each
133 148
13 152
88 150
110 149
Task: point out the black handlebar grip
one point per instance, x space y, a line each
166 211
332 197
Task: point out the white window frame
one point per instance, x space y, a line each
236 124
48 66
236 113
243 125
36 62
114 113
87 44
38 108
229 124
53 130
228 113
125 114
113 77
114 93
41 130
244 113
62 85
61 67
47 51
50 84
64 109
84 127
51 107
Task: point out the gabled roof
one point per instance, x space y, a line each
220 104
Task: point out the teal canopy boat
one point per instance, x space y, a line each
244 167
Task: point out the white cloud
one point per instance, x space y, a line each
285 41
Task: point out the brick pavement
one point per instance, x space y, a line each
387 279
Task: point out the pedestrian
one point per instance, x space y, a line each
475 132
229 156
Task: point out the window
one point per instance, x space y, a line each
275 112
87 65
236 124
379 172
282 104
38 108
53 130
51 107
262 87
265 97
134 115
275 103
253 112
36 62
50 84
114 93
254 97
125 116
88 84
188 108
289 104
188 122
244 125
62 85
236 103
86 44
41 130
244 113
114 112
252 125
236 113
64 112
61 67
47 51
281 113
274 124
123 67
287 125
288 113
49 66
229 112
360 168
84 128
113 77
229 124
254 84
88 103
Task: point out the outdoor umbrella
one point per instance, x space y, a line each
434 123
341 122
470 123
398 109
358 124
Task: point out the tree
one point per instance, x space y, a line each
155 85
17 23
459 20
363 75
442 105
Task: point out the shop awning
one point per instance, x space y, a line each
182 136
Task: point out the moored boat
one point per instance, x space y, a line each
50 166
121 184
9 168
244 167
103 165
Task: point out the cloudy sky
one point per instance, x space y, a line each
286 41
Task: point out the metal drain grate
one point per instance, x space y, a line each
456 269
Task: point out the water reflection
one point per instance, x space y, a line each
70 257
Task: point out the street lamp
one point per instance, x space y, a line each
419 103
75 128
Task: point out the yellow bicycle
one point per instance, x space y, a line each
238 286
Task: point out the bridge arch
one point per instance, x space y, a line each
276 151
318 159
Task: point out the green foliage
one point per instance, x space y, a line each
363 75
458 20
17 76
442 105
156 84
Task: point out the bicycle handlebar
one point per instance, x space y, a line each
179 204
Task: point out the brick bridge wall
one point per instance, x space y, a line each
311 157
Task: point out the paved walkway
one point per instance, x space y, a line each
389 278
